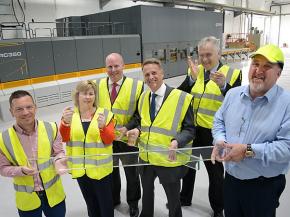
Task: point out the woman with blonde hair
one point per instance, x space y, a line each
89 132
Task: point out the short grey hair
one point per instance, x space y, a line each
209 39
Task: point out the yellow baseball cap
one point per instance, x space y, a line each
271 52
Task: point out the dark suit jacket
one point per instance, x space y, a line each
187 132
185 85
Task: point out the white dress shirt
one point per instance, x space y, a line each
159 98
110 84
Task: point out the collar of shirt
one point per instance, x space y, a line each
118 82
161 91
214 69
270 94
19 130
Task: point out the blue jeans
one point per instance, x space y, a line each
56 211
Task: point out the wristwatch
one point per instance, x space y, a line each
249 151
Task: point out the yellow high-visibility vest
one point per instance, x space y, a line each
26 198
155 138
126 101
207 99
87 153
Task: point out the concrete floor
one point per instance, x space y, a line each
75 203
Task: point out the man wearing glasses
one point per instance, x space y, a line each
120 95
31 152
208 80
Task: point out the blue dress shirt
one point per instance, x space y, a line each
263 122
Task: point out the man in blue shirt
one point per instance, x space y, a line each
251 134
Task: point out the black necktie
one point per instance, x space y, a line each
152 106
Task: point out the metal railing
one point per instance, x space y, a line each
61 29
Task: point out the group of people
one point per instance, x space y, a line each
248 128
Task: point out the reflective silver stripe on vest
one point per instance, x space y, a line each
158 130
8 145
49 132
90 161
119 111
106 113
159 149
78 144
75 144
178 112
98 162
173 130
210 96
51 182
28 189
132 97
45 165
76 160
23 188
229 75
94 145
206 111
141 102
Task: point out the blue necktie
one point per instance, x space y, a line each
206 76
152 106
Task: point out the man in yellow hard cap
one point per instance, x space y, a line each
251 134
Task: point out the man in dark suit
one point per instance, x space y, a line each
164 119
208 83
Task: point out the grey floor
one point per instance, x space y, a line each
75 203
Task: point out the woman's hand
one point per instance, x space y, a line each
67 115
101 121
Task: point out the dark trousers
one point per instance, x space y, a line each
215 174
56 211
253 197
170 180
98 195
133 190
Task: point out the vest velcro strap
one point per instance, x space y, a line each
219 98
51 182
44 165
23 188
206 111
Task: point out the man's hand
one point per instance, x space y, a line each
28 171
219 152
132 136
101 121
67 114
121 132
236 152
172 150
193 67
219 78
